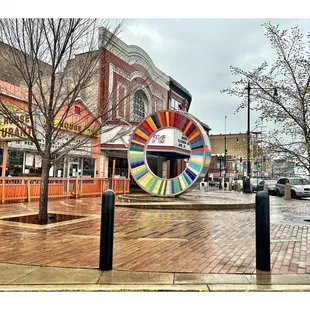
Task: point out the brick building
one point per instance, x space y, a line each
131 86
9 73
21 154
127 87
236 146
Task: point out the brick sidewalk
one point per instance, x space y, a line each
160 240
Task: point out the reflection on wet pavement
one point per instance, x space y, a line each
200 241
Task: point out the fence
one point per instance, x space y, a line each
28 189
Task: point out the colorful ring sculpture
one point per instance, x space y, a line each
198 161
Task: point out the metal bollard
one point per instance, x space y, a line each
262 229
247 186
287 192
230 186
238 188
106 230
266 189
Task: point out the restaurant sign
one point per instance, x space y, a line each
10 132
73 127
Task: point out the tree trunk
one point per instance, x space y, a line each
308 168
307 138
43 212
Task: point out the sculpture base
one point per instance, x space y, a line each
193 200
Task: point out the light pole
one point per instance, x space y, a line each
248 134
248 88
225 157
220 158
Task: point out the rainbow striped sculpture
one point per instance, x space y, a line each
198 162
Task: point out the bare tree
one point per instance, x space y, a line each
289 110
43 53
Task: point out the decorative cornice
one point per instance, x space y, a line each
120 72
132 54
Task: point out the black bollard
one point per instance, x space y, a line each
106 230
262 228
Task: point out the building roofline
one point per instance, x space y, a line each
205 126
181 90
229 134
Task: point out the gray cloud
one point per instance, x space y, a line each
198 54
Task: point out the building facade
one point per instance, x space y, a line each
127 88
131 87
236 155
22 156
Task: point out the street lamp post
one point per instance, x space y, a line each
248 134
220 158
248 88
225 157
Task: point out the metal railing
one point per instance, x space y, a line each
28 189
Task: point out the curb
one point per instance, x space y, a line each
189 206
154 288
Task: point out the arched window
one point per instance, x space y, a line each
140 104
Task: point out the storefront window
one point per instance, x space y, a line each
15 163
121 167
33 165
59 168
88 167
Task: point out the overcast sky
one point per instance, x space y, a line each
198 53
195 42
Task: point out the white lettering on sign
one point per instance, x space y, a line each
159 139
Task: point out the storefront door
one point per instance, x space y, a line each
73 170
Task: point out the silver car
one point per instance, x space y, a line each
255 183
271 186
240 182
299 187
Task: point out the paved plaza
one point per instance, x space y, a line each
156 249
187 241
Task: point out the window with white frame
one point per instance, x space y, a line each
140 104
175 105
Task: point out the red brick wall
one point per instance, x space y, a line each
108 58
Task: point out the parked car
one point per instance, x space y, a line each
299 187
234 185
214 183
271 186
254 183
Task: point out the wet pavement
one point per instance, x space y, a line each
197 244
